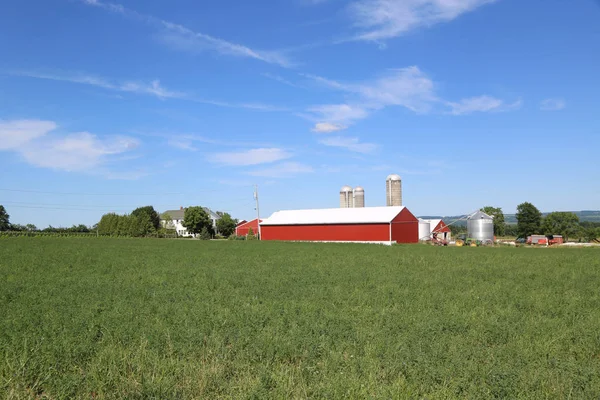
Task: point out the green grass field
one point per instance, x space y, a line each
144 318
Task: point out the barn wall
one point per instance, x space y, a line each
405 228
243 229
341 232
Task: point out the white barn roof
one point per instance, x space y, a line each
433 223
363 215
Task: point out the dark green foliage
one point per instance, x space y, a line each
226 225
4 219
149 215
511 230
205 234
124 225
561 223
499 225
251 235
169 319
529 220
195 218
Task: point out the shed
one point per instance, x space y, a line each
243 228
439 226
368 225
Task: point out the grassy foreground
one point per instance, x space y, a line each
127 318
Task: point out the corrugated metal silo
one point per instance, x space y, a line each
359 197
424 230
346 197
393 190
480 226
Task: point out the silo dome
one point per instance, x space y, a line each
394 177
359 189
345 189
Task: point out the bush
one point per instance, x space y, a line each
205 234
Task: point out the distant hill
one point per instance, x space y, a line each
586 215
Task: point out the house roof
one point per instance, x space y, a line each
178 214
363 215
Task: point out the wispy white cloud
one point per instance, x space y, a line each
36 142
183 38
482 104
407 87
349 143
153 88
553 104
384 19
283 170
250 157
327 127
281 79
182 144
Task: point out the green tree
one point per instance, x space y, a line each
4 219
195 218
31 227
251 235
148 213
205 234
561 223
529 219
499 225
226 225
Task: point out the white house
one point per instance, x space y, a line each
173 219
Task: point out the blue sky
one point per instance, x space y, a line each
108 106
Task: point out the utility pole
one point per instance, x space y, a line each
257 210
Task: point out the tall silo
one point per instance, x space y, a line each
346 200
424 229
480 226
393 190
359 197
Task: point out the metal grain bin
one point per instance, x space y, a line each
480 226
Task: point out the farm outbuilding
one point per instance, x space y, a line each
439 226
243 228
369 224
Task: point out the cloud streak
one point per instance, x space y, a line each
482 104
183 38
283 170
38 144
250 157
384 19
350 143
553 104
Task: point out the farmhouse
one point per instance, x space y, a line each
173 219
369 225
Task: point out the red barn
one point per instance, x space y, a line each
368 224
243 228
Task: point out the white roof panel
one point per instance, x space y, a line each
363 215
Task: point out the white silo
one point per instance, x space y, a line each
359 197
480 226
424 230
346 197
393 190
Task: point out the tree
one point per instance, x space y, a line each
529 219
4 219
251 235
31 227
561 223
148 213
195 218
226 225
205 234
498 219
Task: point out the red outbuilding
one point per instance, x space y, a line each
368 224
439 226
243 228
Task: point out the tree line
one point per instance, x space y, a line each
530 221
141 222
